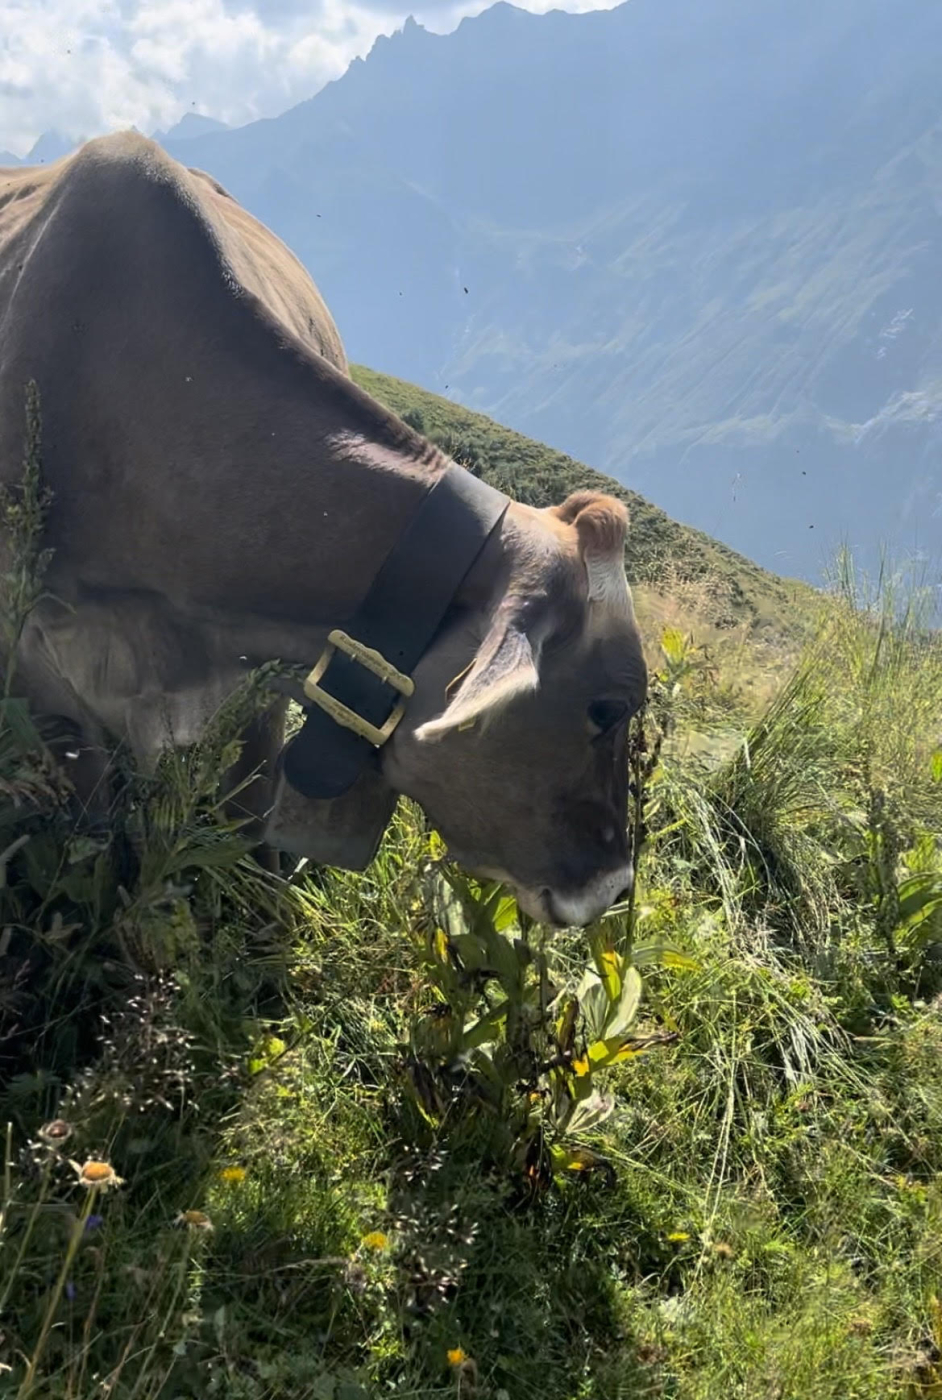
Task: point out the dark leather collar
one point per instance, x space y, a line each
399 617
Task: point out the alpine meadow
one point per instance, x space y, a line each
314 1135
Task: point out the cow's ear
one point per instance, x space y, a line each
504 668
601 525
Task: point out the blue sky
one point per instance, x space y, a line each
85 66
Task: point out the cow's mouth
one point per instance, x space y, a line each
538 905
555 907
580 908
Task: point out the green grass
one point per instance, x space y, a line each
377 1135
764 1218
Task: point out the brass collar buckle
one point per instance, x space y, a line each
372 661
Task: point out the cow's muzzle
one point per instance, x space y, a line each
576 908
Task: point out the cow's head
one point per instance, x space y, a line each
514 742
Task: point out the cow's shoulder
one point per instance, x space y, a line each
181 222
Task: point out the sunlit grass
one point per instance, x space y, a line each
332 1176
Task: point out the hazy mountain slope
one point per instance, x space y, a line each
700 241
735 590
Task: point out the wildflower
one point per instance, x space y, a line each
194 1220
99 1176
70 1290
723 1250
233 1174
457 1357
92 1223
375 1240
466 1371
678 1237
56 1132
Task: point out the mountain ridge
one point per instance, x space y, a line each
684 277
693 242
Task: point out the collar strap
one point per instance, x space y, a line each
361 684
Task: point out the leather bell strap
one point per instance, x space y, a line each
399 617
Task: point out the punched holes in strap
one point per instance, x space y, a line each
399 618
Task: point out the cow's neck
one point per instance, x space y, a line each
384 488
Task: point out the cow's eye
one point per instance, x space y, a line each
605 714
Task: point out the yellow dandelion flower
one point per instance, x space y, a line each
375 1240
98 1176
194 1220
232 1174
457 1357
581 1067
678 1237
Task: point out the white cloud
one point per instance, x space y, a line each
85 66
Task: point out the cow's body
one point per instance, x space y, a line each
223 494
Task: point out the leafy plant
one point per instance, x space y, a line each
23 514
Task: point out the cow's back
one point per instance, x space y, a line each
264 266
250 253
176 343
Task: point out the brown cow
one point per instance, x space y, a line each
224 494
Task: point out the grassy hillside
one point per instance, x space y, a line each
661 552
343 1137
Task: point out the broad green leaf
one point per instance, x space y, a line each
503 958
610 967
596 1007
589 1112
471 950
936 766
485 1027
919 897
573 1159
623 1015
602 1053
566 1025
615 1050
505 913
